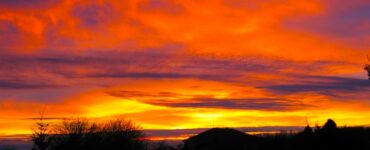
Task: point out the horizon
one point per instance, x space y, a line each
184 65
175 138
171 137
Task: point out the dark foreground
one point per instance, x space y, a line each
123 135
326 138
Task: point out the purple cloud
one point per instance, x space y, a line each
206 101
342 21
336 87
13 35
24 4
93 15
165 6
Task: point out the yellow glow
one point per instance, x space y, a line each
116 106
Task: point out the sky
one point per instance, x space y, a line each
182 64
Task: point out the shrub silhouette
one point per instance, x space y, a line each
122 134
80 134
70 134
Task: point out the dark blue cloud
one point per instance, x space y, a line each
43 94
274 104
168 62
325 85
141 75
206 101
24 84
152 63
164 62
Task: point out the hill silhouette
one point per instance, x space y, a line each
219 138
328 137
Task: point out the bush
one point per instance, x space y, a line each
81 134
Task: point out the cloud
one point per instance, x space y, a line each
94 15
22 84
208 101
164 6
14 35
330 86
341 21
146 64
271 104
184 60
27 4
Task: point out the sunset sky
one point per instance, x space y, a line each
183 64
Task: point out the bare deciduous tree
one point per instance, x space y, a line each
81 134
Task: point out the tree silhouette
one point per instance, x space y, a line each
122 134
81 134
329 126
40 136
308 130
367 67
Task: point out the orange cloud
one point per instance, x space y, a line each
184 64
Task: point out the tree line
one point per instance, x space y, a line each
120 134
82 134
